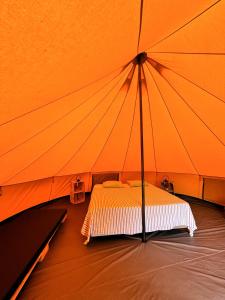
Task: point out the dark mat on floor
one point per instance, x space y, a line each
22 239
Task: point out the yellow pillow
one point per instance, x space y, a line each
112 184
136 183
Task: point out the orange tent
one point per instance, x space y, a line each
69 94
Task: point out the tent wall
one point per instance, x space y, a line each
69 95
149 176
18 197
214 190
186 184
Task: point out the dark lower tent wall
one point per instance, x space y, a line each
18 197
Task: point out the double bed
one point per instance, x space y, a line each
118 211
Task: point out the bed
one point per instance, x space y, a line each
118 211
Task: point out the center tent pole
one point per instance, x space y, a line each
140 59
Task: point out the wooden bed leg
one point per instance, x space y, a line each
64 219
191 233
44 252
87 240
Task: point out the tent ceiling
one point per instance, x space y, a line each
69 87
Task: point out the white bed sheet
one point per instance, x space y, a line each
118 211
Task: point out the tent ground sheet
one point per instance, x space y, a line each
172 265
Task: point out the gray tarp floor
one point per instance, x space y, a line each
170 266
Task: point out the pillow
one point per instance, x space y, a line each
112 184
136 183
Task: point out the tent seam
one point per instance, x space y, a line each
186 24
150 116
190 107
72 129
114 122
64 96
79 148
182 142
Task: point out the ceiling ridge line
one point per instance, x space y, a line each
140 24
191 108
192 82
187 23
62 138
182 142
131 130
60 118
63 96
93 129
125 98
186 53
150 116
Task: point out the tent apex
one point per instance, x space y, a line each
140 58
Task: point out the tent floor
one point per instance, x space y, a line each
171 265
24 242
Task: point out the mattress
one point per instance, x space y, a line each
118 211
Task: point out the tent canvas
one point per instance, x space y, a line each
69 95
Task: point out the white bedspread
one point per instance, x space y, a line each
118 211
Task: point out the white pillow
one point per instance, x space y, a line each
136 183
112 184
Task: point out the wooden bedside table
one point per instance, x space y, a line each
77 192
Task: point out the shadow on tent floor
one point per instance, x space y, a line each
170 266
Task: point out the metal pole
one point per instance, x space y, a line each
142 155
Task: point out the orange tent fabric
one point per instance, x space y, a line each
69 99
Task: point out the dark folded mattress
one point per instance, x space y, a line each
22 239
